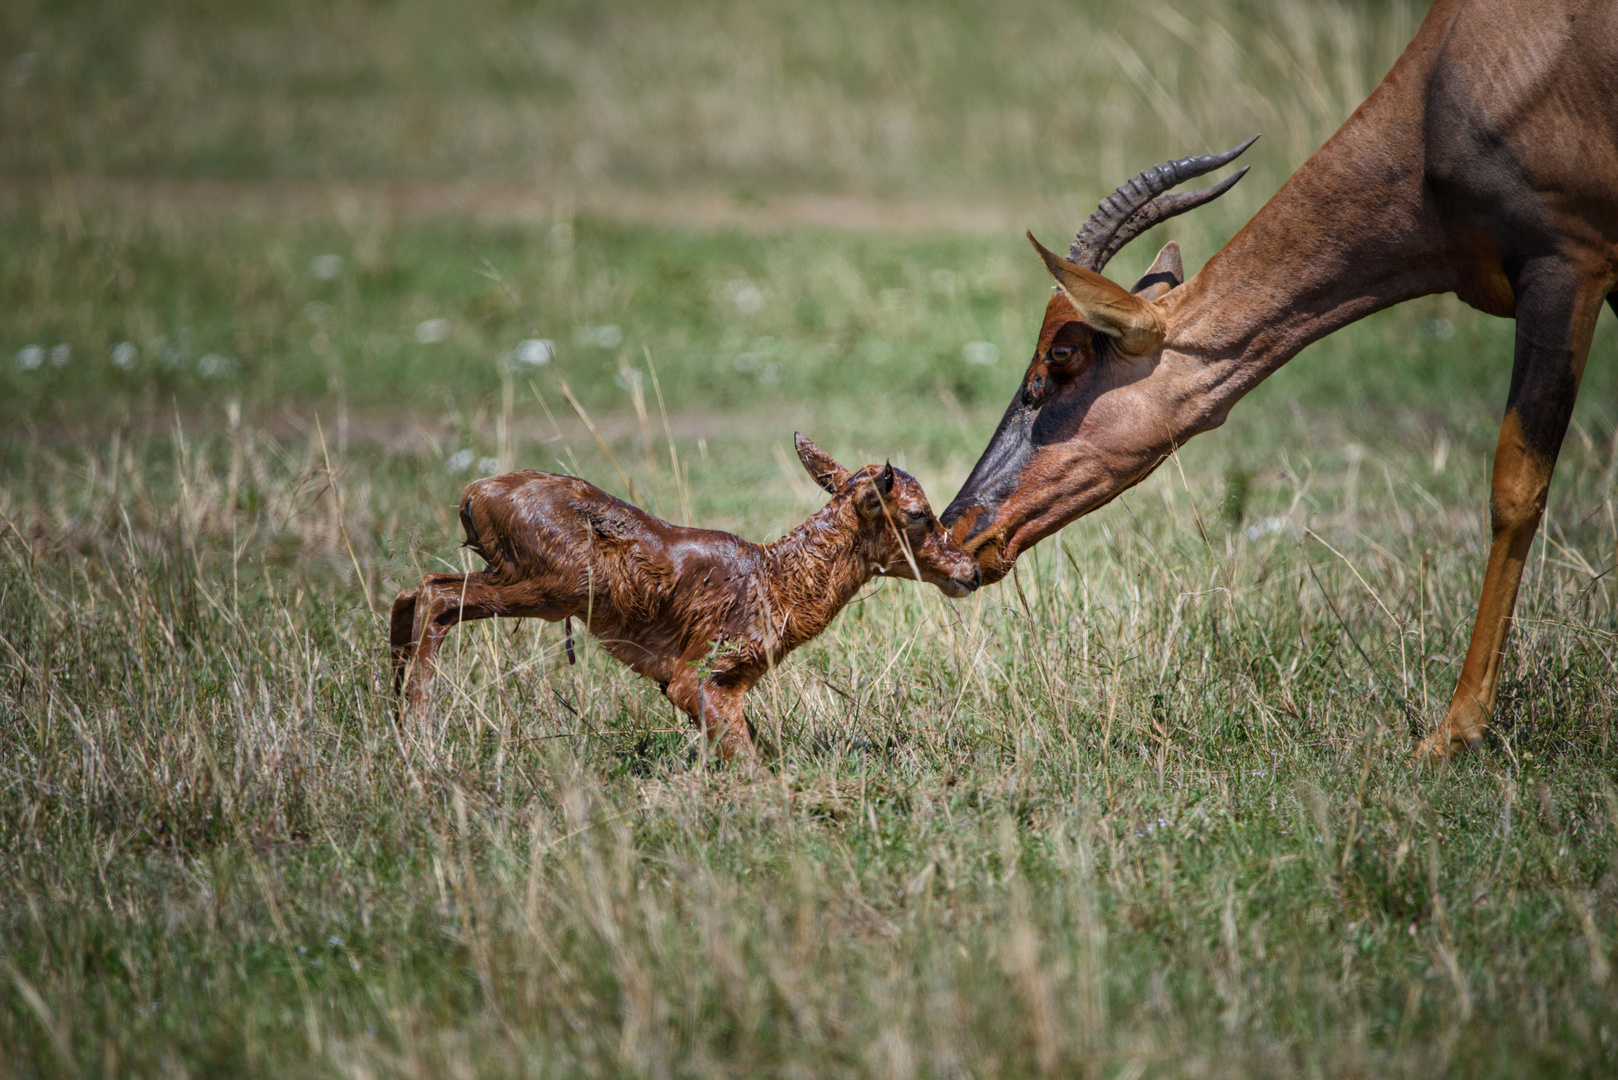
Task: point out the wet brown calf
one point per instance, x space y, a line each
702 613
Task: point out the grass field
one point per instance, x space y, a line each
1142 811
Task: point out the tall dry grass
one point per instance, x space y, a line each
1145 809
1142 810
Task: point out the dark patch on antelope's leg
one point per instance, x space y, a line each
1553 338
472 542
567 630
402 635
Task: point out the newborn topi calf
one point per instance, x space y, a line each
702 613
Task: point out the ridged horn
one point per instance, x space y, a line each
1141 203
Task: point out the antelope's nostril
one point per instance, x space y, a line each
977 576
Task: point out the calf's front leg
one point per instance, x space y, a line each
718 711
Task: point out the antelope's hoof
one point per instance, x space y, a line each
738 750
1444 744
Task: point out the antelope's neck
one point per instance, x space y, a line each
1350 233
812 572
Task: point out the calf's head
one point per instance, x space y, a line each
900 534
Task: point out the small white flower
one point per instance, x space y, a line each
534 352
326 267
335 942
602 337
1267 526
432 331
30 357
746 296
317 312
460 461
488 466
123 355
60 355
982 353
22 69
216 366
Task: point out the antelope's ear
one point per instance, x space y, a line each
874 492
1104 305
867 501
1166 272
821 468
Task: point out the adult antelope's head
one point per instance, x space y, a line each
1106 397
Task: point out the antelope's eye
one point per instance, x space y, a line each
1061 354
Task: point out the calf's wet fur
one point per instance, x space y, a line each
702 613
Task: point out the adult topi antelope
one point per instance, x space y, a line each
1485 164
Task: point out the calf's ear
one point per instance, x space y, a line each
821 468
872 492
868 501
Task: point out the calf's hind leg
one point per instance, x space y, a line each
402 630
447 599
402 635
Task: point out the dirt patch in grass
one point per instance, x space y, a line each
491 204
406 432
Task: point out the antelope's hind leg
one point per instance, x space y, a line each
402 636
445 600
1556 317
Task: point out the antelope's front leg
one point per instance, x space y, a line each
717 711
1554 327
735 740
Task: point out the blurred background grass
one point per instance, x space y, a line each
181 178
1143 811
959 100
